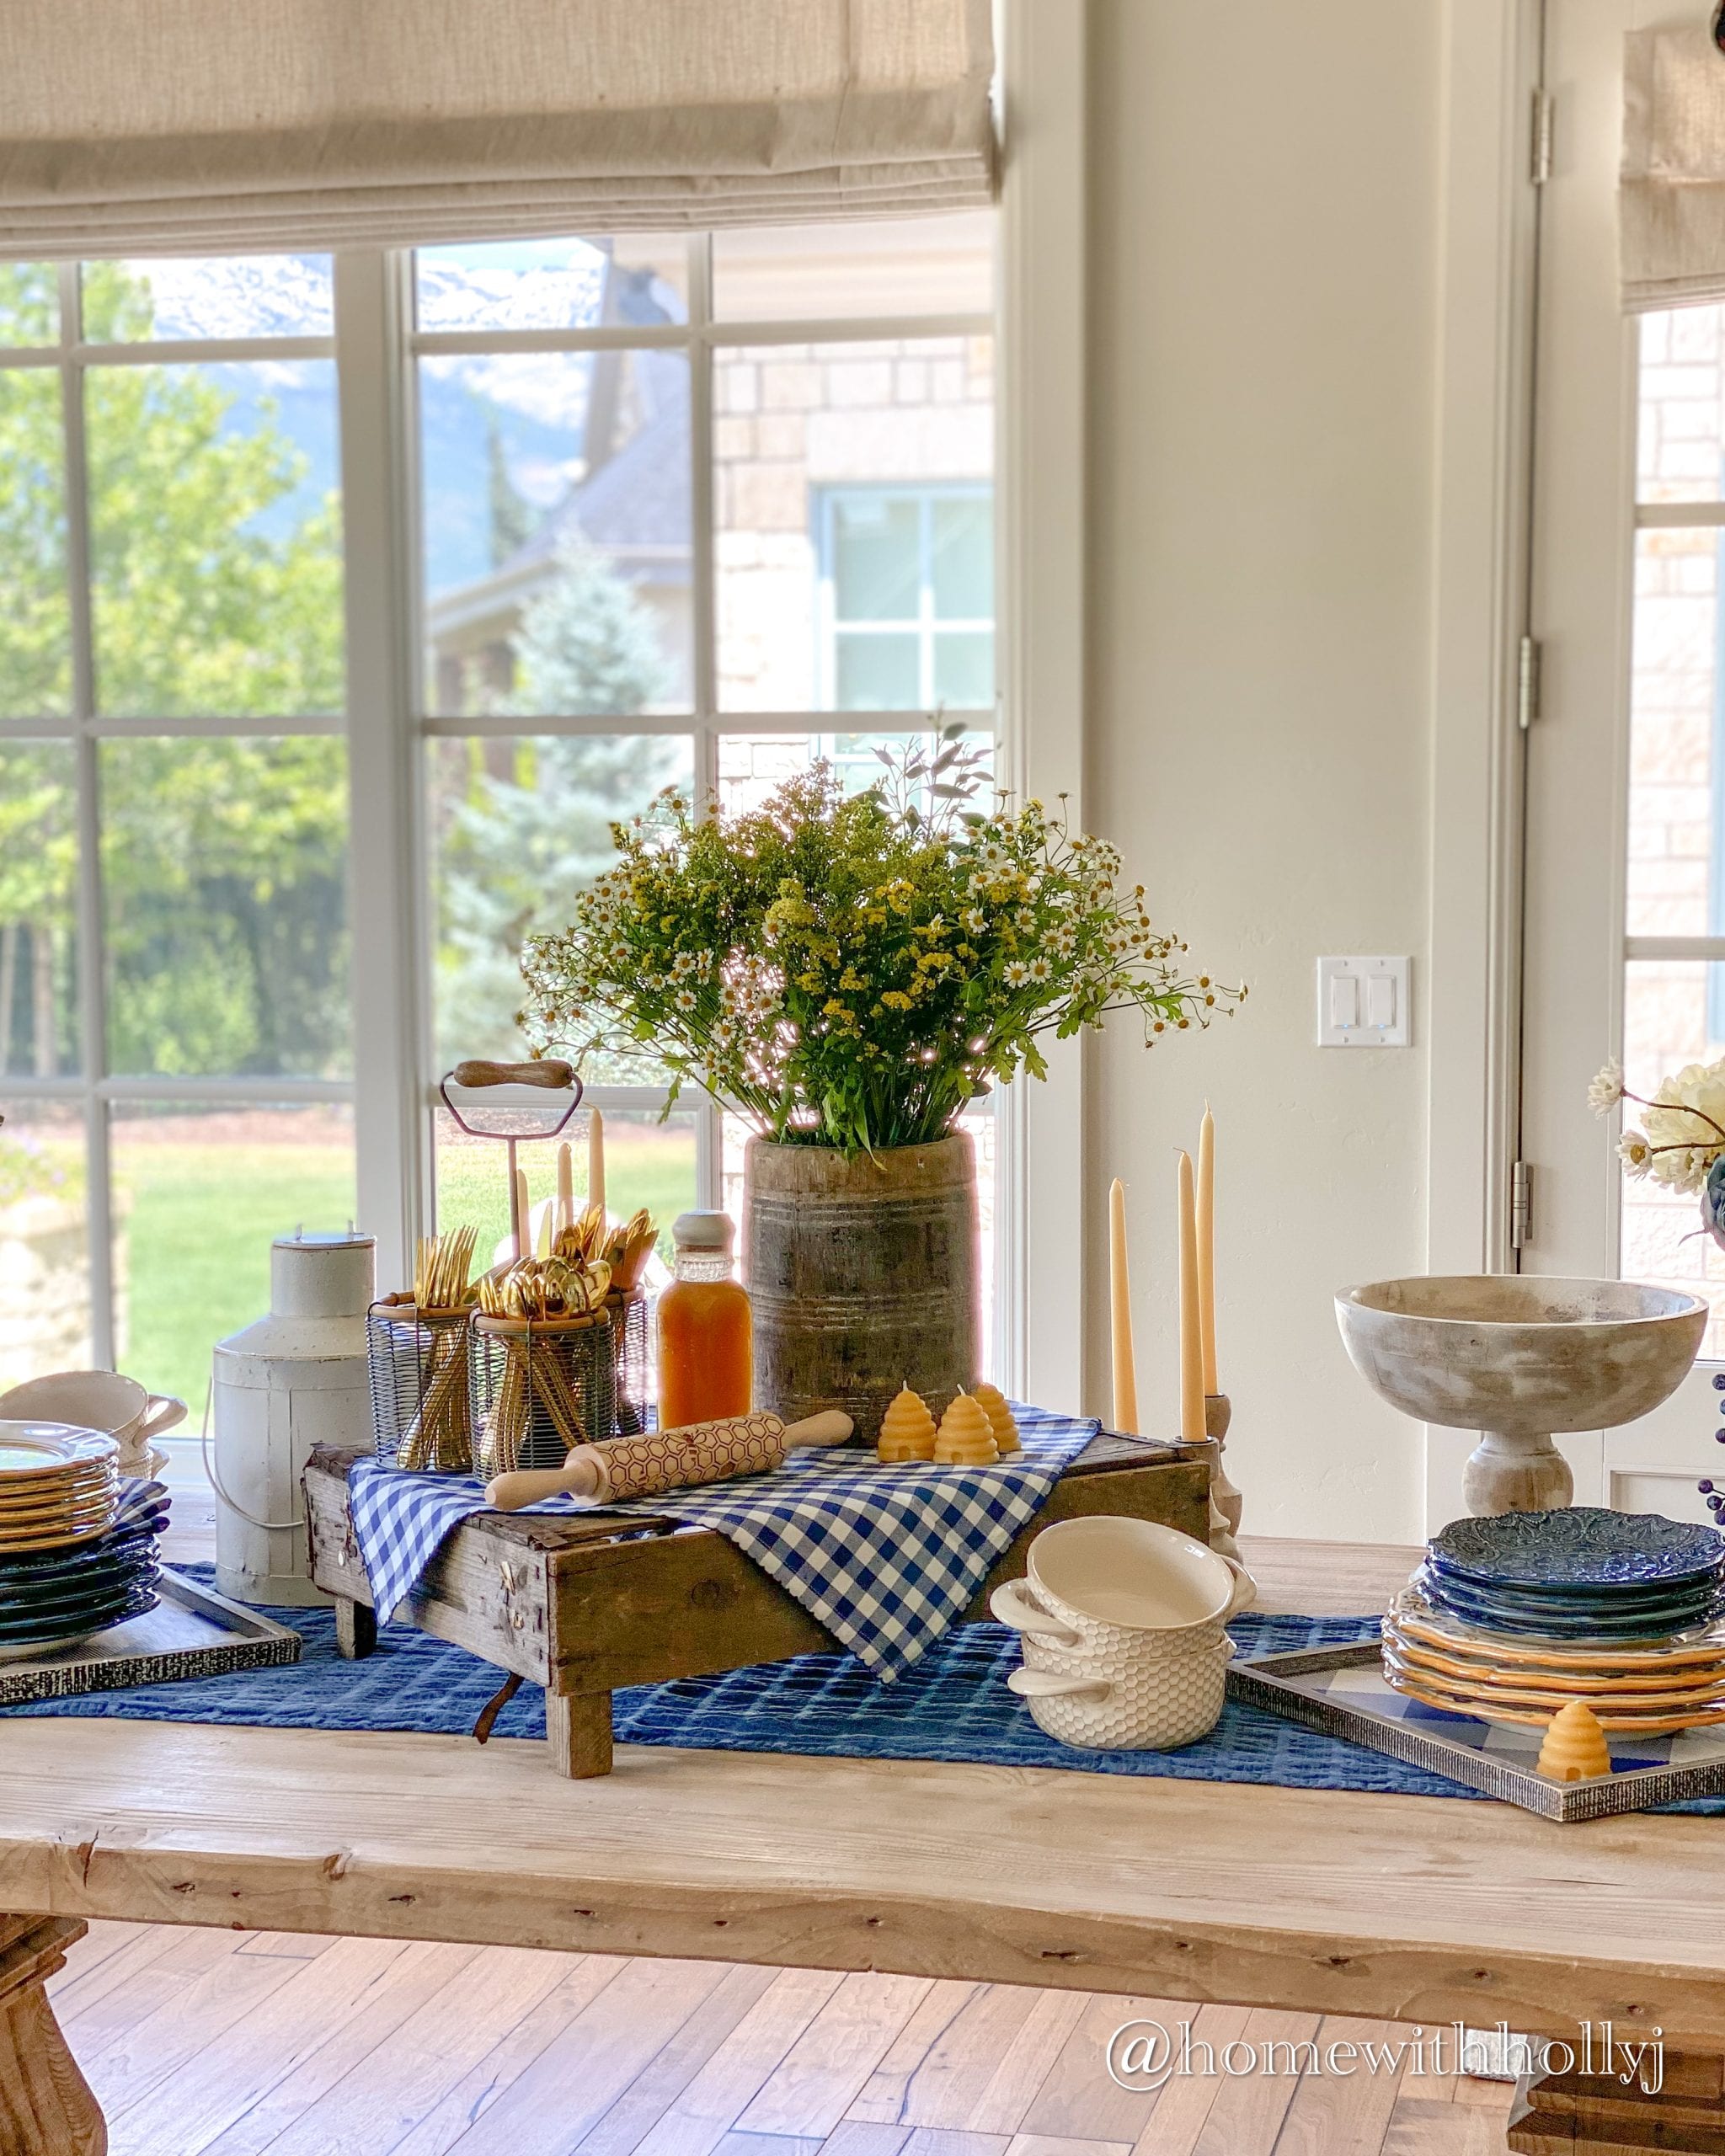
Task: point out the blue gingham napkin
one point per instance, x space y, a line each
885 1557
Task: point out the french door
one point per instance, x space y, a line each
1624 948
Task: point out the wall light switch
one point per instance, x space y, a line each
1362 1002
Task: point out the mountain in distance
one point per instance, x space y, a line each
534 403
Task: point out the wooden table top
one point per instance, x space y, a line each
1415 1909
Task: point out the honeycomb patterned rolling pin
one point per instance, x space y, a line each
670 1459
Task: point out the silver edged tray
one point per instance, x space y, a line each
1341 1691
191 1632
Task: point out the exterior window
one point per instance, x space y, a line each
907 598
677 500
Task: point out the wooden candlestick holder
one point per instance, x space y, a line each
1226 1501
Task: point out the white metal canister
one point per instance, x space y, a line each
294 1380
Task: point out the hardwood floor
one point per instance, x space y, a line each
213 2043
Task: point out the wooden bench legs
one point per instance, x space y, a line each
578 1730
1678 2104
355 1628
46 2106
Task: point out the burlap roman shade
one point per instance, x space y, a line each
187 126
1672 196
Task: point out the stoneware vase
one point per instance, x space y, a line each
864 1274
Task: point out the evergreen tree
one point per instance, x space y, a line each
509 519
520 846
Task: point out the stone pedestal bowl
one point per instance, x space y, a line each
1517 1358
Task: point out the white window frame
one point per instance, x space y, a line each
91 1090
1037 719
925 625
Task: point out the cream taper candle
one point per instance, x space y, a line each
1207 1247
522 1224
1120 1313
565 1187
595 1160
1191 1429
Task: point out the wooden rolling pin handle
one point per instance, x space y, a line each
582 1475
550 1071
831 1427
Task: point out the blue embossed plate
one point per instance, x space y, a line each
1579 1546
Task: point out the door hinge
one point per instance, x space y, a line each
1539 153
1520 1206
1527 682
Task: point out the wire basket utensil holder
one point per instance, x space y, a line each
421 1406
631 1341
540 1386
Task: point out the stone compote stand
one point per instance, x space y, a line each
1517 1357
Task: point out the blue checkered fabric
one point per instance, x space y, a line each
885 1557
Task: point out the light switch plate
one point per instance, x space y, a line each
1362 1002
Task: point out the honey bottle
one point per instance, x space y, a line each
706 1353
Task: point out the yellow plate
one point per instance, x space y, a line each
93 1493
1410 1614
51 1538
1689 1678
1652 1699
1646 1725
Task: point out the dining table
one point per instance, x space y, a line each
1416 1909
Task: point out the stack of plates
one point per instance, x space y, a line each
58 1485
1579 1574
61 1590
1515 1616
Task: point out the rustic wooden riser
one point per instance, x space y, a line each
1592 2114
586 1604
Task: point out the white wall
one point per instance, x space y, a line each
1262 341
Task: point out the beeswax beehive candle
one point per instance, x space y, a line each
1575 1749
906 1429
965 1438
993 1403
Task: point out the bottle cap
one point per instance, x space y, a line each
703 1231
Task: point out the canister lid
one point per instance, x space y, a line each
703 1231
321 1275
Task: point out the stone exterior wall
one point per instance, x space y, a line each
790 418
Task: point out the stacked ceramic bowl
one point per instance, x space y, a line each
1122 1623
77 1546
1514 1616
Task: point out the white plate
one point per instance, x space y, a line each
38 1448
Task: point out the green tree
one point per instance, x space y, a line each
510 518
520 842
223 860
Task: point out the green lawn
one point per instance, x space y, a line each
199 1221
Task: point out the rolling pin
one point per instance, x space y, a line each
669 1460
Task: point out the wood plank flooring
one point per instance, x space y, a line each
213 2043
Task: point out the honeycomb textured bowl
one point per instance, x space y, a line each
1153 1702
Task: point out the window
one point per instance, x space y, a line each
907 598
675 502
1674 978
176 1034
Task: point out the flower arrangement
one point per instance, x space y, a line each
1684 1121
848 969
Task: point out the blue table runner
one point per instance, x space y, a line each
952 1706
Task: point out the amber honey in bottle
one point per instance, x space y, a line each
706 1356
